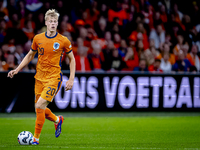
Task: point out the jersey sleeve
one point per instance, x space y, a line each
34 44
67 46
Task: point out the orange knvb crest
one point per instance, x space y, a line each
56 46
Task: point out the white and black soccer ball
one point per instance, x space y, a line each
25 138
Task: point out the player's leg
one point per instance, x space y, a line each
48 93
58 120
61 118
52 91
40 107
51 116
53 88
38 90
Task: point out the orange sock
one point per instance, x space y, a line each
49 115
40 119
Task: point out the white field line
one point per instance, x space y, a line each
122 148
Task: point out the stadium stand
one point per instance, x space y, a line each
112 35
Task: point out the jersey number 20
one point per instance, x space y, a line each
51 91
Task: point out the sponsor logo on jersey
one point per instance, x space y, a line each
40 50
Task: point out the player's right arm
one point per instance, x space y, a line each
24 62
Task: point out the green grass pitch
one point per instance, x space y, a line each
107 131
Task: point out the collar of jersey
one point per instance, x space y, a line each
52 36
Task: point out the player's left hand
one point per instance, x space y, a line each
12 73
69 85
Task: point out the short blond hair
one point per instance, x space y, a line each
51 13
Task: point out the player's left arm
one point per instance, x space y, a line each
72 65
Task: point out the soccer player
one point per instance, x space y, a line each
50 46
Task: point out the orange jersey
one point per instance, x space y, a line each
50 51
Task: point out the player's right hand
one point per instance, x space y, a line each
12 73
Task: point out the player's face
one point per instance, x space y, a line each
51 23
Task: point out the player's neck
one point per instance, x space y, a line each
51 34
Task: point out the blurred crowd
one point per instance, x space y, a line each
107 35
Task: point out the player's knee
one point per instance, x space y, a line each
38 105
41 104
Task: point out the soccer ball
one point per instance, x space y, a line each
25 138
